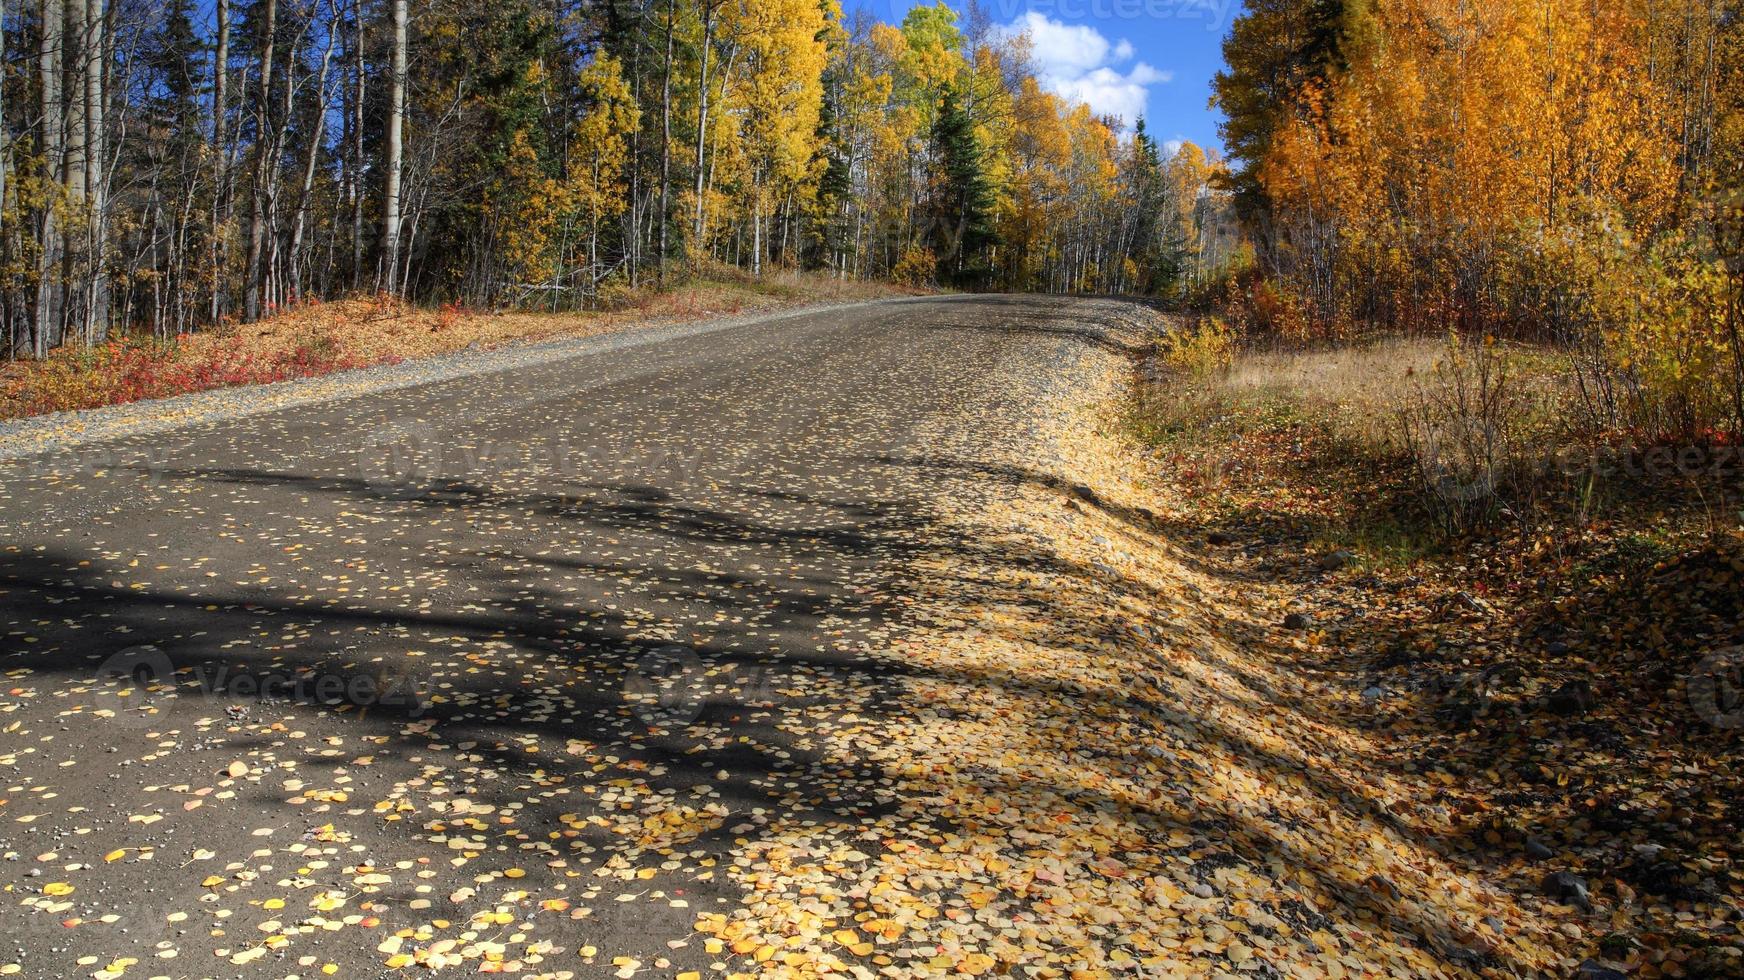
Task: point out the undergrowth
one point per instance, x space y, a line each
134 369
1541 614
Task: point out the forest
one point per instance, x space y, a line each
171 166
1564 172
1570 174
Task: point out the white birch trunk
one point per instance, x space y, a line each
395 151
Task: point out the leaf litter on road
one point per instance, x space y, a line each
986 723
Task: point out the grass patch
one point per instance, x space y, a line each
1406 448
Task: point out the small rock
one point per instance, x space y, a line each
1568 888
1471 603
1594 970
1465 956
1218 538
1383 886
1203 890
1373 693
1573 698
1666 879
1537 850
1337 560
1298 621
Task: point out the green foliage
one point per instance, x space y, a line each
1274 50
548 154
963 206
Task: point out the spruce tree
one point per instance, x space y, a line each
964 208
835 184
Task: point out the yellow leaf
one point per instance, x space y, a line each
975 963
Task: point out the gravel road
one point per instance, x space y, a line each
498 659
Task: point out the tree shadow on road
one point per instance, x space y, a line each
527 670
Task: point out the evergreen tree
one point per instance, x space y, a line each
963 211
175 62
835 185
1274 51
1142 180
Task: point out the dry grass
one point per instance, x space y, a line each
1401 447
1356 391
1360 393
1379 401
1456 647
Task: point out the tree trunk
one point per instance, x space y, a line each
702 112
75 40
49 67
220 158
313 157
76 262
396 122
666 143
756 229
257 189
357 146
5 144
96 176
633 253
272 263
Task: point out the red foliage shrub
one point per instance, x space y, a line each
137 369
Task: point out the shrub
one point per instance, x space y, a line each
137 368
1201 352
917 267
1461 426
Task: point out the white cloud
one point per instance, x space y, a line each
1109 93
1076 62
1068 50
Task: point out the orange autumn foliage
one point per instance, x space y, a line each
1538 169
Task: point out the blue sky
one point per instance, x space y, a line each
1124 57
